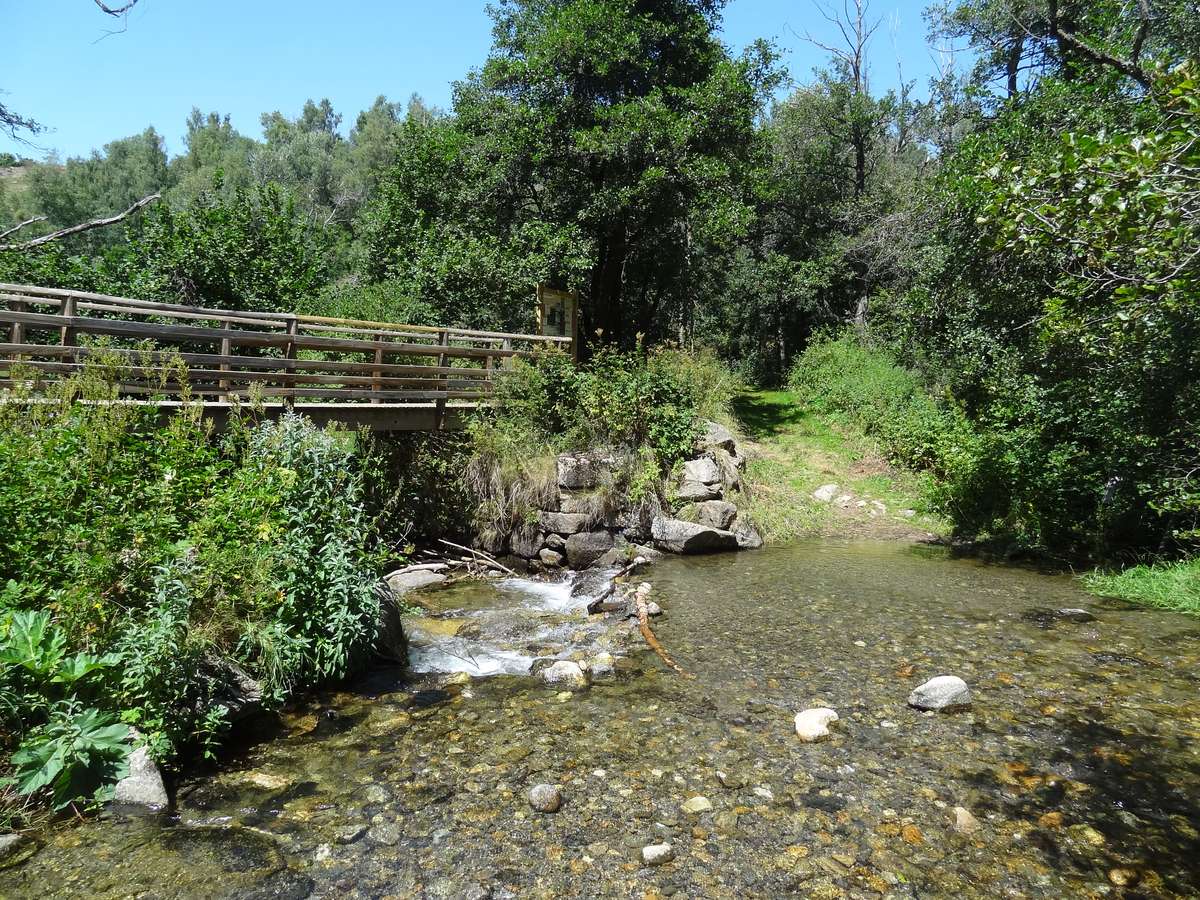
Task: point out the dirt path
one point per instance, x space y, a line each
796 453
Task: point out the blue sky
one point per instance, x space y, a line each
247 57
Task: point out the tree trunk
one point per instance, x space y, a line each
607 285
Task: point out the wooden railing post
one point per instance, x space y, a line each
293 327
67 333
377 372
443 384
18 328
226 350
507 361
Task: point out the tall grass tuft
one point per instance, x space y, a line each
1174 586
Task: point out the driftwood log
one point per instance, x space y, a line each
643 617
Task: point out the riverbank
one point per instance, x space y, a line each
796 453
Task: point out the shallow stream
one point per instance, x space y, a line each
1078 763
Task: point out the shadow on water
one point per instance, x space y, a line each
764 415
1126 787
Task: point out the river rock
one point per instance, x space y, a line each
717 514
142 790
406 580
565 673
813 724
556 542
525 541
585 548
964 822
15 849
696 805
586 470
551 558
657 854
697 491
717 435
825 493
747 535
704 470
677 536
602 665
234 689
1048 618
545 798
944 692
391 642
563 523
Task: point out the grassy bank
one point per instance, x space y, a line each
1174 586
797 449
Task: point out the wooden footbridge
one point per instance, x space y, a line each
379 375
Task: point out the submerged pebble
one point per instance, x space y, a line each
944 692
657 854
545 798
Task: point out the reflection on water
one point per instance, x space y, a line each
1078 763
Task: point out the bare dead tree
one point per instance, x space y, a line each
76 229
116 11
14 123
20 225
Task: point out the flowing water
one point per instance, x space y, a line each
1078 762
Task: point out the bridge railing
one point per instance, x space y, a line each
228 354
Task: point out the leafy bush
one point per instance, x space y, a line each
148 565
650 403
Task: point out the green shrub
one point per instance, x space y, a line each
146 564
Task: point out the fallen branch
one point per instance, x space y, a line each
597 605
20 225
643 616
82 227
478 554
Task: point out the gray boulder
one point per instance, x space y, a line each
587 503
586 547
677 536
235 690
716 514
586 470
550 558
704 470
747 535
15 849
525 541
697 491
564 673
556 542
390 640
717 435
142 790
562 522
945 692
406 580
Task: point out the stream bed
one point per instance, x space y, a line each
1078 764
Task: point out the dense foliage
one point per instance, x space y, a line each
149 569
1021 240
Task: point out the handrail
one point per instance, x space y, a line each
226 354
